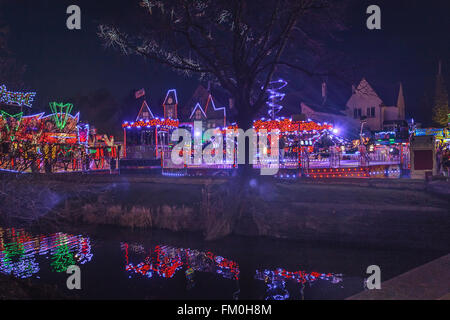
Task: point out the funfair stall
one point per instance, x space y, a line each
304 146
439 147
56 142
146 139
36 143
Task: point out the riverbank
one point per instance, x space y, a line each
430 281
401 213
25 289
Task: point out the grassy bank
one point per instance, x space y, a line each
25 289
378 212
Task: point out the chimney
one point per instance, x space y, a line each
231 103
401 103
324 92
353 89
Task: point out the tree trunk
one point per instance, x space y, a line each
245 171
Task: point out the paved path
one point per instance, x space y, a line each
430 281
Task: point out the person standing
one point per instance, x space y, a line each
281 148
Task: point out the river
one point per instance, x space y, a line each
118 263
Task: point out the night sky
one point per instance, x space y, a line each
63 63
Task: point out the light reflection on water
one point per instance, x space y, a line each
165 261
19 251
275 281
143 264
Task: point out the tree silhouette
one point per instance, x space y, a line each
237 44
440 108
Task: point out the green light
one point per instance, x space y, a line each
17 117
62 258
61 113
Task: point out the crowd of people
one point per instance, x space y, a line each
443 159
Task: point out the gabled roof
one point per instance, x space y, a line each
212 112
144 108
364 95
198 106
202 96
364 88
171 97
387 92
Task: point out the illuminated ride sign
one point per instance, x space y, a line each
61 112
442 133
167 123
287 125
18 99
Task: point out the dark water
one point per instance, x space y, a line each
123 264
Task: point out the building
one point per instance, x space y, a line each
366 104
148 136
329 111
209 107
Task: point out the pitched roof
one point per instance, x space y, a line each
211 103
387 92
199 107
171 97
144 109
366 89
212 111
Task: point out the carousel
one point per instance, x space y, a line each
52 143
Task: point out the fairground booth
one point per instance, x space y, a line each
147 138
55 142
430 152
303 145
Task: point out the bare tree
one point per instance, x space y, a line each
238 44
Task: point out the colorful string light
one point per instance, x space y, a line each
19 99
60 113
287 125
19 251
275 97
17 118
168 123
